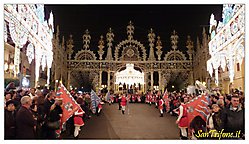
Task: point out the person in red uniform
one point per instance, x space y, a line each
123 103
78 122
160 106
112 99
150 98
100 107
138 98
147 98
182 120
133 98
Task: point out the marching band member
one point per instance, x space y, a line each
78 122
161 106
182 120
100 107
123 103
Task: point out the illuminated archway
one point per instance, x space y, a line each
129 78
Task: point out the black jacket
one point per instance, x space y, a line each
25 124
9 125
233 120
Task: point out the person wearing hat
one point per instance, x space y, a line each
9 120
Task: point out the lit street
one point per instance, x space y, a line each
141 121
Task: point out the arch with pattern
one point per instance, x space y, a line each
175 55
85 55
130 48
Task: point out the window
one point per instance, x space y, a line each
238 67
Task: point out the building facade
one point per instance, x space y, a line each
28 47
227 48
112 59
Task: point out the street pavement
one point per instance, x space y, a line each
140 122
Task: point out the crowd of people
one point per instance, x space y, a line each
226 112
36 114
33 113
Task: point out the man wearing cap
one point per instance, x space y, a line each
9 120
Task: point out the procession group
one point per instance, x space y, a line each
37 113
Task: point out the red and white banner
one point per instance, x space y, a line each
69 105
166 100
198 107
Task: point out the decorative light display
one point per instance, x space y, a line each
129 76
5 32
43 60
26 23
25 82
227 40
30 52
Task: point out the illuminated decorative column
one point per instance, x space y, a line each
160 79
101 46
108 80
151 39
151 80
145 82
68 79
159 47
109 39
100 79
38 57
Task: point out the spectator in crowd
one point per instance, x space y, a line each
214 119
54 115
40 117
25 122
48 102
221 104
228 101
7 97
233 117
197 125
9 120
20 94
32 93
215 99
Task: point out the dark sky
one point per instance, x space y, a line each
185 19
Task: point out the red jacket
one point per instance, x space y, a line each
160 104
123 101
183 122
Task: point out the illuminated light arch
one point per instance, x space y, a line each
174 55
129 76
130 43
85 55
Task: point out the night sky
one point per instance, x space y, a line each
185 19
